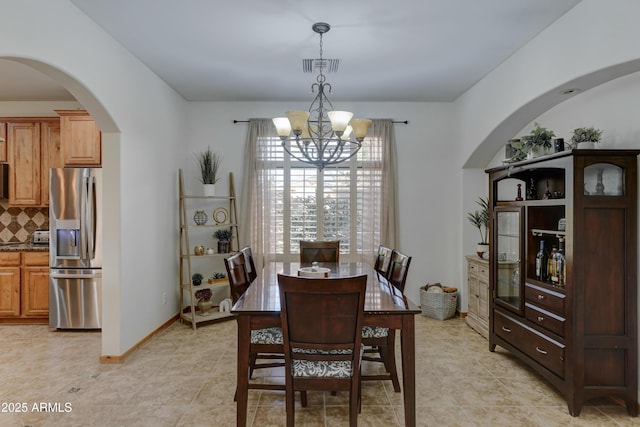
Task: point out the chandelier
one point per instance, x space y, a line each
321 136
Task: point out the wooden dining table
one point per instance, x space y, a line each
385 305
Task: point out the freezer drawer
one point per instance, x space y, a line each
75 299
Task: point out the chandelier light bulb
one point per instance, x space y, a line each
360 128
283 126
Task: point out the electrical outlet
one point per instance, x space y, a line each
164 298
14 218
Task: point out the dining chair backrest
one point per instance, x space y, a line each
322 334
237 275
322 313
398 269
383 259
249 264
319 250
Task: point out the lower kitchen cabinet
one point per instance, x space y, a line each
24 287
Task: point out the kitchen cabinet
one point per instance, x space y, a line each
81 139
24 287
3 144
50 156
9 284
222 214
575 320
33 146
24 160
35 285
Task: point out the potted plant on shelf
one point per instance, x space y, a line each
538 141
217 277
224 237
209 163
204 301
480 220
196 279
585 138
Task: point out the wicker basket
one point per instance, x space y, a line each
438 305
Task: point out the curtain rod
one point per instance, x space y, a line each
404 122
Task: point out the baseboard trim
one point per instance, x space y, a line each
121 358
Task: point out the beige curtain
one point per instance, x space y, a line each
253 201
384 131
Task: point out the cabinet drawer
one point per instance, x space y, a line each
9 258
473 268
547 352
546 319
483 271
36 258
545 298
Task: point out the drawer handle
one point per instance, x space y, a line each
541 351
540 319
504 328
541 297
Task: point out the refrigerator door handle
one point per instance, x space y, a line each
90 217
74 276
83 218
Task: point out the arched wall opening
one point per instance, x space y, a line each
111 211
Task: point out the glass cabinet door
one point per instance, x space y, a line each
508 290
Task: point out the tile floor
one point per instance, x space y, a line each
186 378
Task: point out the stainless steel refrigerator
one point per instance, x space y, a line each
75 248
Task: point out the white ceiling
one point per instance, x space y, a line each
252 50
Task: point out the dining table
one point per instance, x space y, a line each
385 306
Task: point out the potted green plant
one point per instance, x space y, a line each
204 301
585 138
480 220
224 236
209 165
196 279
538 141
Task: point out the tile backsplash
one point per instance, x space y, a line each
17 224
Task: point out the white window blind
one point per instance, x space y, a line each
300 202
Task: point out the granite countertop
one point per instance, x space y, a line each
23 247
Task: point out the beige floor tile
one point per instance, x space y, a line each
186 378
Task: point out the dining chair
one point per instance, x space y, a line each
322 330
398 269
380 342
383 259
265 344
250 266
319 250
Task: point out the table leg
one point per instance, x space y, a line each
242 386
408 345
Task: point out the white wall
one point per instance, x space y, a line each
527 88
425 175
141 119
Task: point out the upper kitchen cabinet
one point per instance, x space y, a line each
81 139
32 148
3 142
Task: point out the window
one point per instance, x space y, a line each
295 201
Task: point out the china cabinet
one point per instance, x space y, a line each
198 253
572 318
